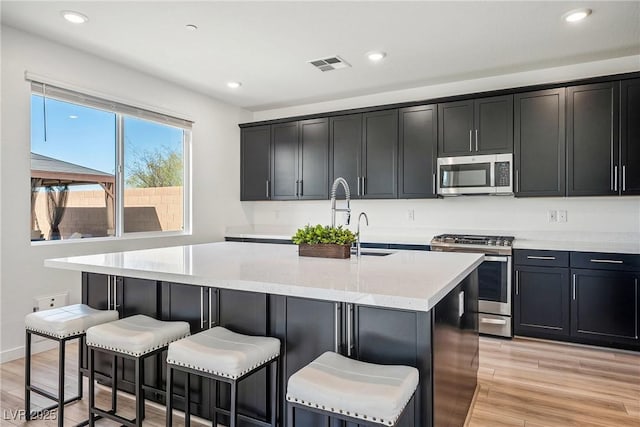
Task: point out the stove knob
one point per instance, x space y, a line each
499 242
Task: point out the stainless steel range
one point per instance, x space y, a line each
494 276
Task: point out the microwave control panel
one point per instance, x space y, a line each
503 174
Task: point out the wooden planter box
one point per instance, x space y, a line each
325 250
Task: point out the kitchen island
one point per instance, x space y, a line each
407 307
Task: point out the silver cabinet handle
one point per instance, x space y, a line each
624 178
201 307
211 322
349 326
267 190
109 277
607 261
517 282
573 291
546 258
301 189
434 183
615 178
476 139
517 175
358 182
493 321
115 293
470 149
364 191
636 311
297 188
336 327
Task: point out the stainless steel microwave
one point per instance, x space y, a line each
484 174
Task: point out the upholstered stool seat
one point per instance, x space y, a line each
60 324
136 338
222 352
136 335
222 355
347 387
67 321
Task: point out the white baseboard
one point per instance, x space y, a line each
18 352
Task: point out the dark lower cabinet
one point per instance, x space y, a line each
417 152
604 306
630 137
539 143
592 139
541 301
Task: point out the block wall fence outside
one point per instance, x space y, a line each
146 209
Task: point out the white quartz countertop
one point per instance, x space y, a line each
412 280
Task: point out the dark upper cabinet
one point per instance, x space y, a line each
630 137
379 170
592 139
284 161
604 306
417 152
345 139
313 175
255 147
480 126
541 301
539 143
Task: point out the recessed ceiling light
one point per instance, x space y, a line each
376 56
234 85
191 27
74 17
576 15
73 116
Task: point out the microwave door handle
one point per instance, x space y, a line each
496 258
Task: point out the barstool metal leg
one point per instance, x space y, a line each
61 359
27 376
291 421
114 384
92 377
139 392
169 396
233 410
80 354
274 392
187 400
214 405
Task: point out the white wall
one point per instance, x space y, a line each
588 218
215 170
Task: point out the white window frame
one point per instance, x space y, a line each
121 110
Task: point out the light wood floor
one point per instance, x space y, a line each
524 383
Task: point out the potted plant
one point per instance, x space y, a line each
324 241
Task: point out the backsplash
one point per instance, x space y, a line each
587 218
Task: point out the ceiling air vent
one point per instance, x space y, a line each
329 64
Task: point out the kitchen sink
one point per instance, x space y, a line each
372 253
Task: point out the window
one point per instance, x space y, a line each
101 169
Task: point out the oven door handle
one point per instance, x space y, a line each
493 321
496 258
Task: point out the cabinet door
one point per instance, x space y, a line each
417 152
380 155
314 159
345 138
539 143
455 128
95 290
189 303
309 328
630 137
493 118
592 139
254 153
284 161
604 306
541 301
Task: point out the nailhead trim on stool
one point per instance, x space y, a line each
67 321
350 382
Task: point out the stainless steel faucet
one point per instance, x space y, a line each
334 187
366 218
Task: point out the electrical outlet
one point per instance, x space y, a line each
552 216
50 301
562 216
411 214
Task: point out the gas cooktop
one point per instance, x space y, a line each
473 243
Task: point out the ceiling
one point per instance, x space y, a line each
266 45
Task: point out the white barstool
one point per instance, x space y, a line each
136 338
350 390
223 355
60 324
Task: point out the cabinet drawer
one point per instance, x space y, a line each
605 261
541 258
